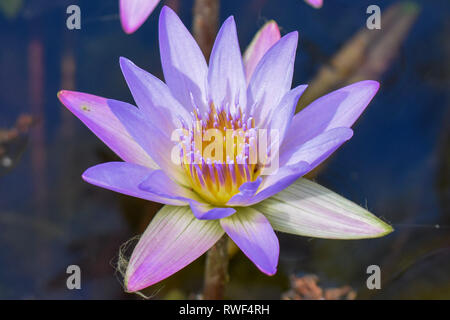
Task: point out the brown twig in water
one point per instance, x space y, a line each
11 140
36 81
206 24
174 5
367 55
22 126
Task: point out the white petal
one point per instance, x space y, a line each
308 209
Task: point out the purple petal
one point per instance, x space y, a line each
272 78
174 239
339 108
315 3
204 211
153 97
317 149
308 209
278 181
282 115
253 234
96 114
184 66
247 190
155 142
226 78
124 177
133 13
266 37
159 183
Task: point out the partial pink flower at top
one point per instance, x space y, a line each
264 39
315 3
133 13
207 197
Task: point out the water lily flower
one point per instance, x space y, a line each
205 199
133 13
315 3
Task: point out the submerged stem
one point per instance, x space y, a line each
216 271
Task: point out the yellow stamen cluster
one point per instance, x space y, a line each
219 153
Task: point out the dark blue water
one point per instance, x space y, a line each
397 164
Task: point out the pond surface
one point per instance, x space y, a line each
397 164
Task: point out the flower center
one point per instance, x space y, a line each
218 153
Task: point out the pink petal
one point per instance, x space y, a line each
133 13
266 37
315 3
174 239
96 114
272 78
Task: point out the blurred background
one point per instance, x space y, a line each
397 164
